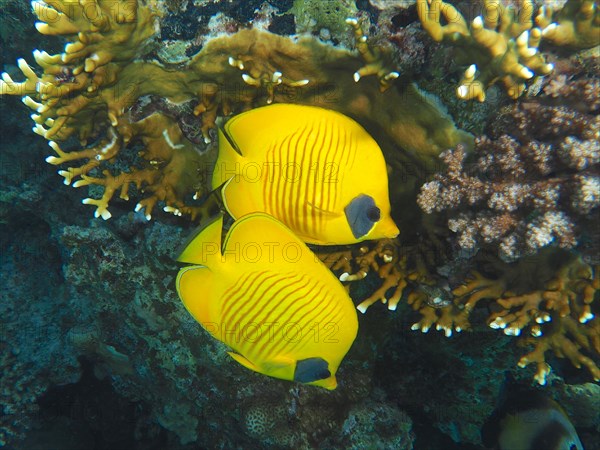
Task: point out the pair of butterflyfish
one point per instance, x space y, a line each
289 175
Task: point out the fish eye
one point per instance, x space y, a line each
374 214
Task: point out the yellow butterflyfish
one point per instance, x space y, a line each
269 299
316 170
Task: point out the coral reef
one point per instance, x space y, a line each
97 91
73 287
534 182
500 45
375 425
324 19
575 25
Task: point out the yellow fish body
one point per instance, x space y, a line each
266 296
316 170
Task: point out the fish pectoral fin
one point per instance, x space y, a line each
244 361
324 212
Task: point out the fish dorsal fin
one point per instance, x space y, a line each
254 130
193 285
204 244
271 242
227 142
229 159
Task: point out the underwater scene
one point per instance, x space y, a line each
300 224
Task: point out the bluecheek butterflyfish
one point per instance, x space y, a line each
316 170
269 299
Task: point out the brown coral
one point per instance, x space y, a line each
533 183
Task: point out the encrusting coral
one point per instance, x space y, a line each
100 91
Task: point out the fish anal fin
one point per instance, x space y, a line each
244 361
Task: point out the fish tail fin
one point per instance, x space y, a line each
228 164
193 283
204 246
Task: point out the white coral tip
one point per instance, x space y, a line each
586 317
362 308
512 331
356 77
523 38
344 276
41 27
352 21
470 72
526 73
549 30
66 175
478 22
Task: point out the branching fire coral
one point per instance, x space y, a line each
558 316
501 44
576 25
106 90
553 298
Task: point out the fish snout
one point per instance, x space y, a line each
386 228
329 383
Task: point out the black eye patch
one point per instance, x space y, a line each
362 213
311 369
